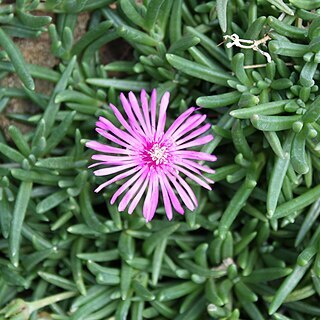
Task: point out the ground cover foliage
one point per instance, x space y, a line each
250 250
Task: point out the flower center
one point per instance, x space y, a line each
158 154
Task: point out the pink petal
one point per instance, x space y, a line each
166 200
190 168
187 187
132 191
110 137
189 163
145 108
207 179
153 107
196 142
125 186
189 125
101 125
121 119
192 177
174 200
194 134
178 122
132 119
138 196
121 134
197 155
106 158
154 198
136 108
108 163
107 171
162 114
116 178
193 168
94 145
183 195
147 201
96 164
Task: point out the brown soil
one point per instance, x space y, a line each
35 51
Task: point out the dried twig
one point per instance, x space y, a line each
248 44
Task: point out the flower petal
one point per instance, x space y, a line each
136 108
192 177
183 195
197 142
108 163
190 164
162 114
96 164
153 107
132 191
97 146
125 124
194 134
128 110
187 187
125 186
107 171
193 168
112 138
145 108
174 200
189 125
119 133
116 178
138 196
147 200
150 204
166 200
106 158
197 155
178 122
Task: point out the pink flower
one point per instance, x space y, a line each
153 160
